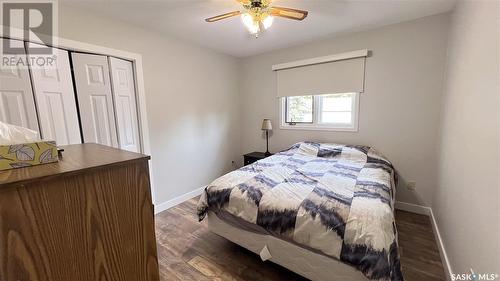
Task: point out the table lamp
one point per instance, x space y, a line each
267 126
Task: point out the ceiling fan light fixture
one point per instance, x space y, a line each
250 23
247 19
267 21
259 14
254 29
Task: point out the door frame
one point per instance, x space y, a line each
135 58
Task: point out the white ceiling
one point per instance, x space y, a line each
185 19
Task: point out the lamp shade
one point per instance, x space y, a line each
266 125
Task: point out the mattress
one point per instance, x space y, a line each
328 199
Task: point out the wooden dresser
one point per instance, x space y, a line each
87 218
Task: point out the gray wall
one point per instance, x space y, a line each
192 100
466 200
399 110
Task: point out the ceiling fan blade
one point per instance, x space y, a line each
223 16
289 13
244 2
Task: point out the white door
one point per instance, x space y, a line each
122 78
95 100
17 105
55 99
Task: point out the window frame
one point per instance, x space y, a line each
316 125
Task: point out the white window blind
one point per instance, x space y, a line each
343 73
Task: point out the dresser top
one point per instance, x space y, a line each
75 158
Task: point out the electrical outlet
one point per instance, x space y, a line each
411 185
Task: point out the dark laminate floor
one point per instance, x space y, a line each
188 251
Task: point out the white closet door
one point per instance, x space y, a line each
94 99
55 100
17 105
122 78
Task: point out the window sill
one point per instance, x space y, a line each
318 128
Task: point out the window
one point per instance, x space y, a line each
320 112
299 109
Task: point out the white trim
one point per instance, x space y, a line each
424 210
413 208
73 45
317 60
313 127
442 251
178 200
316 126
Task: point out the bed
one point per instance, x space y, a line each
324 211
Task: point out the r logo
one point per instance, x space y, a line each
35 20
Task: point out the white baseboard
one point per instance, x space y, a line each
177 200
424 210
442 251
413 208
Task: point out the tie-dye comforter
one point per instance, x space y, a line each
335 199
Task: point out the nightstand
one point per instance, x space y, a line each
249 158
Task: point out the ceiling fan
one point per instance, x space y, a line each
257 13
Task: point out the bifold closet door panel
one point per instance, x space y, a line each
17 105
55 99
95 101
122 78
